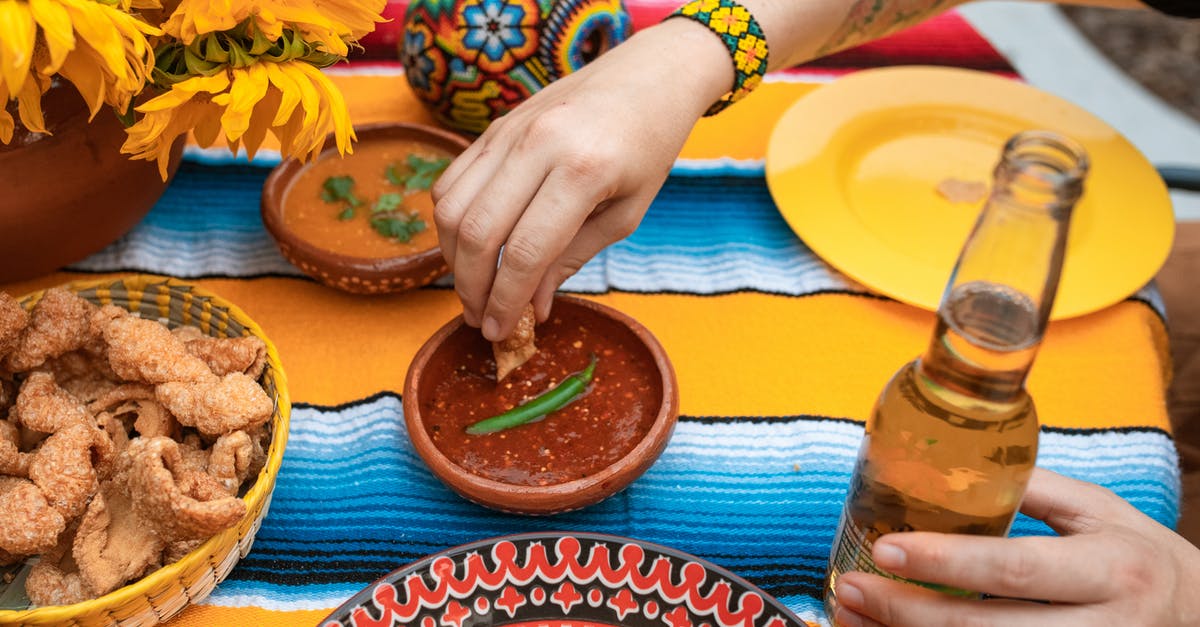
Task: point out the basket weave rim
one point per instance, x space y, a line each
254 498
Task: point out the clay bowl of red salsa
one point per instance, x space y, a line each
363 223
574 457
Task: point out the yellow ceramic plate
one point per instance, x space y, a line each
854 167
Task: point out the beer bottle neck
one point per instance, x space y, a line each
998 300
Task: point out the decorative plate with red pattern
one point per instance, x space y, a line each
562 580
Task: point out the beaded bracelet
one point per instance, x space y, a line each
741 33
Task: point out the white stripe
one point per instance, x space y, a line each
221 156
803 76
365 68
686 167
310 602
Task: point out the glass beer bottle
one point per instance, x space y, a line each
953 438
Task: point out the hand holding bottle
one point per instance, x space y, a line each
1111 564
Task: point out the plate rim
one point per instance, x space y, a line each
401 572
1157 193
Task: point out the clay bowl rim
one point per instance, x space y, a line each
560 497
282 176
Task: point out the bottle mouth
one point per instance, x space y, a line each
1046 164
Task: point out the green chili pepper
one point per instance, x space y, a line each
551 401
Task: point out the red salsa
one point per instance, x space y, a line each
601 426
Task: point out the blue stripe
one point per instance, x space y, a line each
707 495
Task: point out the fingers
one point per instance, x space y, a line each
883 601
448 210
1069 506
452 206
607 225
486 223
539 238
1026 568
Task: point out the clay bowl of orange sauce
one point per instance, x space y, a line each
341 248
579 455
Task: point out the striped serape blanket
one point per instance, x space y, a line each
779 360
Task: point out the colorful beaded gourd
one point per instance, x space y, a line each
472 61
741 33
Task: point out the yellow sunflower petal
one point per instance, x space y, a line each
57 30
192 18
183 91
95 26
248 88
7 124
310 99
152 136
289 93
16 46
29 107
90 83
343 130
358 17
260 121
286 134
208 125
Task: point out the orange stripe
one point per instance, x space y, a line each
214 616
741 132
739 355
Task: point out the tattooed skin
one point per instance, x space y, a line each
871 19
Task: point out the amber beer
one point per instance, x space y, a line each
953 438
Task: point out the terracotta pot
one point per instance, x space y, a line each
71 193
357 275
447 348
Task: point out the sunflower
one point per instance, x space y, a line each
99 47
328 23
292 100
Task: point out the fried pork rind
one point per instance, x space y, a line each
247 355
100 480
518 347
42 405
13 320
68 466
136 401
113 544
116 430
145 351
55 579
12 461
231 459
29 525
59 324
180 503
233 402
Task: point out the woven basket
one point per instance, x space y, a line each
163 593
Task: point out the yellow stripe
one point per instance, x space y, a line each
735 355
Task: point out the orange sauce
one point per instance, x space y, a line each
316 221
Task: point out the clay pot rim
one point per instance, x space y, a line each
560 497
283 175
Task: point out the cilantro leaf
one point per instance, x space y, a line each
397 177
401 228
338 189
424 172
388 202
346 214
416 173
